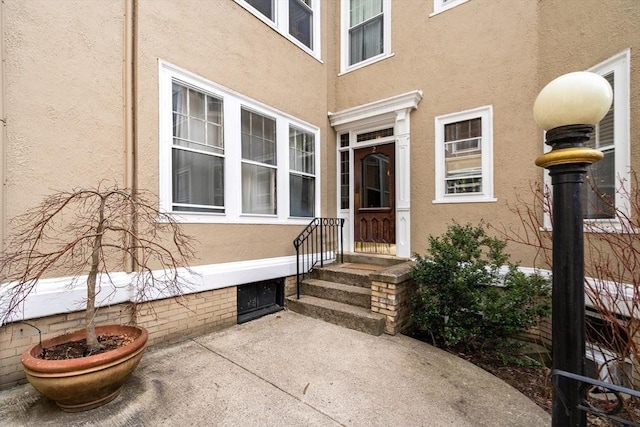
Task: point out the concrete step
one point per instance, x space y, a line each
349 316
341 273
374 259
353 295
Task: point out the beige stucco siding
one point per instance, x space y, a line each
63 96
228 46
587 33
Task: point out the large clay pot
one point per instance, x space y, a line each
85 383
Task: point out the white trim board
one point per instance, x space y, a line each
53 296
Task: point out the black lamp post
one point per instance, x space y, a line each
568 108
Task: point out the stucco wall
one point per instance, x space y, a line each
62 98
231 47
477 54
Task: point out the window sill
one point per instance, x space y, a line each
458 199
244 219
366 62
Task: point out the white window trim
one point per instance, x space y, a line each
486 114
232 104
620 65
281 24
440 6
344 38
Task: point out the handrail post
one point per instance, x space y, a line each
321 243
298 271
341 240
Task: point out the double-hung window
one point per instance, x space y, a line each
227 158
297 20
259 163
464 158
365 32
607 182
198 150
302 181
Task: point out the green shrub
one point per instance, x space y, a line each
463 300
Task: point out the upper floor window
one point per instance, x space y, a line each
227 158
365 30
464 158
607 180
297 20
442 5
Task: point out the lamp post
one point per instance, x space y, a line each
568 108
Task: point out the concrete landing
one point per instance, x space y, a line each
286 369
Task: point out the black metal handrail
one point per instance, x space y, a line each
320 241
616 406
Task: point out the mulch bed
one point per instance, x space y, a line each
533 382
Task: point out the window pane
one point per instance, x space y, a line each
375 176
361 10
258 189
301 151
196 104
265 7
258 138
300 21
598 192
366 41
599 189
198 179
302 196
344 180
197 120
463 157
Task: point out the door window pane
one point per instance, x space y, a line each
375 176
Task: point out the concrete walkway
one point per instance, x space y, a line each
289 370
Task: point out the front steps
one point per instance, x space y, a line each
341 293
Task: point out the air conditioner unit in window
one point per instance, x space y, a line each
607 366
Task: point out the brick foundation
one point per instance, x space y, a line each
166 320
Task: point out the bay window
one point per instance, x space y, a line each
227 158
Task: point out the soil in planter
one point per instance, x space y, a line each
77 349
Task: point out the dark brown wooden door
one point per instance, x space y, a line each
374 199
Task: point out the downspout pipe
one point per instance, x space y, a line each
3 132
130 109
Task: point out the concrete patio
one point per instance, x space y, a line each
290 370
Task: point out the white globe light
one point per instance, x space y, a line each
581 97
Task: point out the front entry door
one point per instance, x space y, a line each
374 199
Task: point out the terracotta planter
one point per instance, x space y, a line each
87 382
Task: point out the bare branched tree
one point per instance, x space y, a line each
612 269
92 233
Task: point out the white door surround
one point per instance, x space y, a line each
393 112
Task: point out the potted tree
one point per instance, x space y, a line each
86 235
